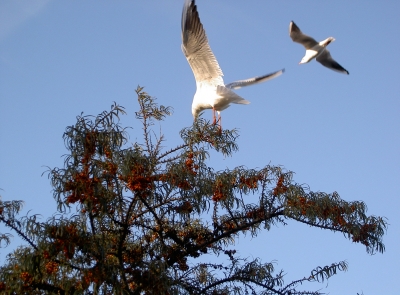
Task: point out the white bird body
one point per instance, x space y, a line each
211 93
310 55
217 97
315 49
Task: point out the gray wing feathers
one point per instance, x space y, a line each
326 60
299 37
255 80
195 45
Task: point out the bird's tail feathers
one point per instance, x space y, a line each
230 96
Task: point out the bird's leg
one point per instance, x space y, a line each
219 122
214 119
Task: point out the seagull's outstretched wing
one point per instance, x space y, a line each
251 81
326 60
195 46
299 37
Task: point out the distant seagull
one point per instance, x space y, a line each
211 91
315 49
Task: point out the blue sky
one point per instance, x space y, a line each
336 132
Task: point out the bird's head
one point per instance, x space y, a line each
196 111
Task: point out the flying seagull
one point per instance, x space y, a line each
211 91
315 49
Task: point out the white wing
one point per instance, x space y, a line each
195 46
255 80
326 60
299 37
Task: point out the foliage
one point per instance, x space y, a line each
135 219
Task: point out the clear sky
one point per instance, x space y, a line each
336 132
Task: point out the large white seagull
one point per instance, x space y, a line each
211 91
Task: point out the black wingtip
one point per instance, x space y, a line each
189 12
293 26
